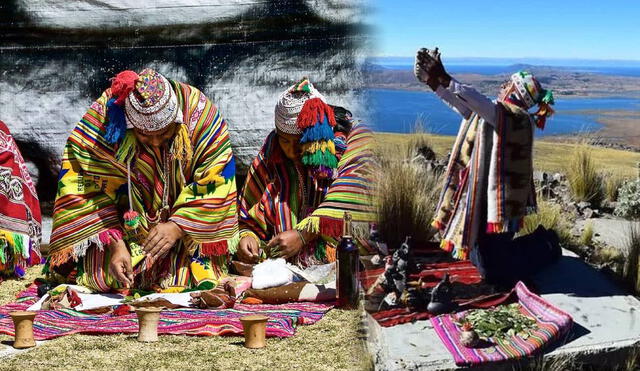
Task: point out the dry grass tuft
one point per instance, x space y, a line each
586 239
612 183
405 203
584 181
550 216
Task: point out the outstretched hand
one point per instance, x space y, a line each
430 70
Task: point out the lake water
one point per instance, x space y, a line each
397 111
494 69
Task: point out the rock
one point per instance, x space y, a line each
583 205
587 213
558 177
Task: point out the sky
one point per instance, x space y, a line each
586 29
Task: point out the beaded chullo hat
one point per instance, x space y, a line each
302 110
146 102
530 93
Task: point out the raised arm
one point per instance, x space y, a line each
461 98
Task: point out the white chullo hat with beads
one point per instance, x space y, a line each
290 104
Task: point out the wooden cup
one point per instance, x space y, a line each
148 318
23 328
255 330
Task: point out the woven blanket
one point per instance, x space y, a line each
489 180
467 288
552 325
20 220
50 324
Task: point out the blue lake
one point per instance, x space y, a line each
397 111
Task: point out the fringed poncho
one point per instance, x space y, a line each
92 190
275 194
489 180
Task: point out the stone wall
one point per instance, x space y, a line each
57 56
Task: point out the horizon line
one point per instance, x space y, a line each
530 57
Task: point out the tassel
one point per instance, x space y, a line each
314 111
331 227
318 158
303 86
447 245
544 111
321 145
317 132
217 248
181 148
123 84
117 125
310 224
548 97
437 225
106 236
131 220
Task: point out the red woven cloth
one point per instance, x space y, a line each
19 209
460 273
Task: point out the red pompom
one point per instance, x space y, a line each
123 84
313 111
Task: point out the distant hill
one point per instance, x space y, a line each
564 81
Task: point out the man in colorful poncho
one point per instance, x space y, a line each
20 222
314 167
147 195
488 186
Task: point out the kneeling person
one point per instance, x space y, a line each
147 195
314 167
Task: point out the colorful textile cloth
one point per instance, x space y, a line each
466 285
552 325
489 179
199 193
279 196
50 324
20 220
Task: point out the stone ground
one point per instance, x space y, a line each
606 324
611 232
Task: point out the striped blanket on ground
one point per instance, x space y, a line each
50 324
467 288
552 325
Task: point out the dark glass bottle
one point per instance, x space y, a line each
348 265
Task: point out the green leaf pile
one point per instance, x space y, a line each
504 321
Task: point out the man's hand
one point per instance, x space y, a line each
289 243
248 250
161 239
430 70
120 264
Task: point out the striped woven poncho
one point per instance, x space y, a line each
273 197
92 189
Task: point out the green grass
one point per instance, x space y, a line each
548 155
335 342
